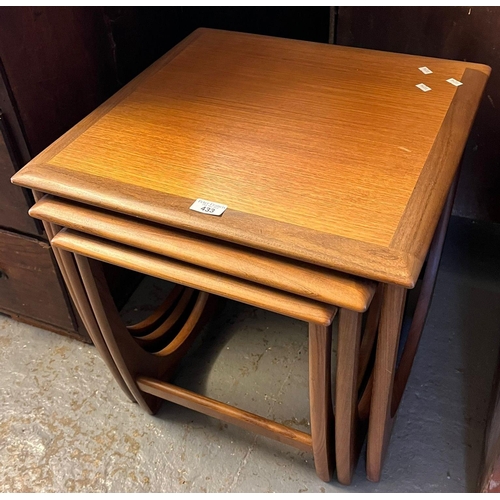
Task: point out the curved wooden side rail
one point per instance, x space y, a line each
71 277
152 322
130 358
172 334
389 380
191 324
295 277
163 329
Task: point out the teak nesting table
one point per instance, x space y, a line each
338 172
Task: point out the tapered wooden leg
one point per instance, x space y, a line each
320 399
109 321
381 420
369 334
347 442
69 272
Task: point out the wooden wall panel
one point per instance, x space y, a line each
58 61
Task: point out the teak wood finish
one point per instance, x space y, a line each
367 156
144 373
320 284
326 155
148 324
202 279
71 277
388 382
323 449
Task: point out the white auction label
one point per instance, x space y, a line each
208 207
425 70
423 86
454 82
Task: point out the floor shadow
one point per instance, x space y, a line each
471 270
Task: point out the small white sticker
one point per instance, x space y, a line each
425 70
423 86
208 207
454 82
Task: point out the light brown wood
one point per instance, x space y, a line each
347 434
369 334
132 362
191 324
390 398
71 277
234 117
325 154
267 235
171 319
320 399
110 324
201 279
293 276
226 413
380 423
417 226
129 358
154 319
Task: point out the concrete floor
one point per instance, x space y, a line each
65 426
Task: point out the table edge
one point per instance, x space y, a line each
416 227
362 259
399 263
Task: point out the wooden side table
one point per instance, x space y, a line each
328 157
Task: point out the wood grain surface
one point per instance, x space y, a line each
330 141
296 277
196 277
29 283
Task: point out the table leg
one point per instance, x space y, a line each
381 417
388 383
346 395
320 398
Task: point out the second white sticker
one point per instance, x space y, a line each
423 86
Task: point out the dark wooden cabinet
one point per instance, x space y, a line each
13 201
30 287
56 66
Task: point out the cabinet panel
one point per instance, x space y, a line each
13 202
29 284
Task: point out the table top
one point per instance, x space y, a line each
322 153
